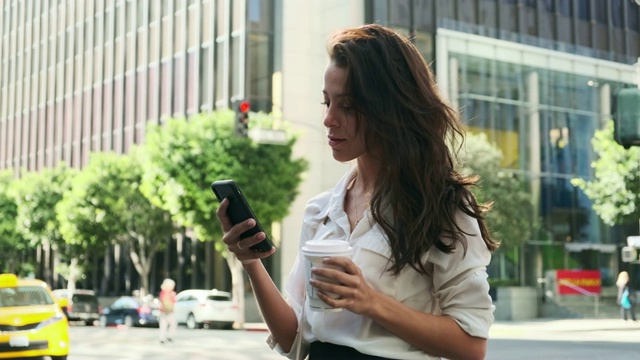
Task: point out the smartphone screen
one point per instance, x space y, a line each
239 210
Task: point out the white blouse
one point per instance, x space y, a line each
455 286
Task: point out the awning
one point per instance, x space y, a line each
577 247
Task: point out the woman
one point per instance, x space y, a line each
416 286
168 323
625 296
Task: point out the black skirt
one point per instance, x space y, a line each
327 351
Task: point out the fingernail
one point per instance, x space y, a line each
251 222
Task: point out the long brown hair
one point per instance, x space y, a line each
401 111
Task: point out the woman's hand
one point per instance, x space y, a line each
354 293
231 237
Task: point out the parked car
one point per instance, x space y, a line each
32 323
83 305
130 311
204 308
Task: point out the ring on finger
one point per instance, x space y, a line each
238 244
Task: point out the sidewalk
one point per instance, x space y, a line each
533 325
576 330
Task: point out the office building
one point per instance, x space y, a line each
538 77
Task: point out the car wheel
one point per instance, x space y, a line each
103 321
128 321
191 322
88 322
64 357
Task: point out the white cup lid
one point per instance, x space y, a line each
325 246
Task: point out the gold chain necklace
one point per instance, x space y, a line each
351 188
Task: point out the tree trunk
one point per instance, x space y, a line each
237 287
180 254
75 272
106 271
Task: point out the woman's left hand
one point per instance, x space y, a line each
354 293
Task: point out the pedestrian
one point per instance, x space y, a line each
416 286
626 296
167 319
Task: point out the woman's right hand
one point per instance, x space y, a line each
231 237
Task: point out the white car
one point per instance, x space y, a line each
205 308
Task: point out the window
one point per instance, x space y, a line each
508 16
400 13
487 14
547 19
423 15
617 13
467 11
633 12
565 30
601 12
584 9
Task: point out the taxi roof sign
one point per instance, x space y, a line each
8 280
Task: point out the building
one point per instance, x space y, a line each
538 77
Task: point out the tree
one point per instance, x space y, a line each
186 156
615 189
512 219
36 195
11 241
105 205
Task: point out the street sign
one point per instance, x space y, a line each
579 282
629 254
268 136
633 241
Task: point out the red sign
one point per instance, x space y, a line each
579 282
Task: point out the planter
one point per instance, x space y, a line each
516 303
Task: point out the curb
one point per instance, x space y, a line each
259 327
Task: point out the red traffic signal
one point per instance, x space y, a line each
244 106
241 108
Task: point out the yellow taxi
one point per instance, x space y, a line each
32 323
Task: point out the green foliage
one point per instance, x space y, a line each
11 241
615 190
494 283
511 218
37 194
186 156
105 204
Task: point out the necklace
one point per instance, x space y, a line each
355 202
352 188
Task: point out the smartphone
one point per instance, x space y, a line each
239 210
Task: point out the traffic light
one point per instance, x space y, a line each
627 117
242 107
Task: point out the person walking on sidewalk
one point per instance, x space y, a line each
626 296
168 322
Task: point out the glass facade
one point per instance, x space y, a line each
530 75
102 69
78 76
81 76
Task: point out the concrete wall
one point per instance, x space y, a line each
307 26
516 303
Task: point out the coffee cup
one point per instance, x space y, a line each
314 251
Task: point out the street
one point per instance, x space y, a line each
93 343
565 339
536 339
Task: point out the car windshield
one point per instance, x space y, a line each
218 297
84 298
24 296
